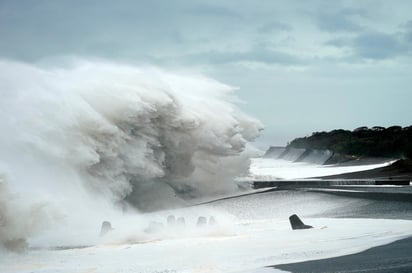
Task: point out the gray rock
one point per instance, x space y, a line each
106 227
296 223
201 221
16 245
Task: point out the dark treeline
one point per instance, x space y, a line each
393 141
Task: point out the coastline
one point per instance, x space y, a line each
392 257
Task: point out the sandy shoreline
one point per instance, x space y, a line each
393 257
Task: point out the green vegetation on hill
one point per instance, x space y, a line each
393 141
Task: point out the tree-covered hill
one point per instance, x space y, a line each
393 141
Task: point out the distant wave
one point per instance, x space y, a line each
268 169
312 156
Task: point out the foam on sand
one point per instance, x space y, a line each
251 232
250 245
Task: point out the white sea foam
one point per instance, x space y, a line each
277 169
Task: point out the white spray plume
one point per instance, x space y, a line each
118 133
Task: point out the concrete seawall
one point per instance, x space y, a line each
287 184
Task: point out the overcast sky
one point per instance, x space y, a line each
301 66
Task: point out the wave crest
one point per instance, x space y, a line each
140 135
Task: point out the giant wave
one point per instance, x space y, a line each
86 136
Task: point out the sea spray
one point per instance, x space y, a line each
20 218
90 137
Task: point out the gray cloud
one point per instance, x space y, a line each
155 31
159 31
274 26
339 21
378 45
44 28
214 11
255 55
338 42
408 31
374 45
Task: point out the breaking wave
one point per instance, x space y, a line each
120 134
